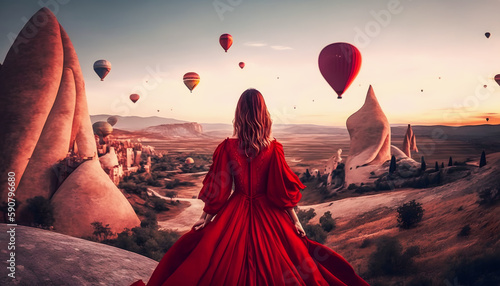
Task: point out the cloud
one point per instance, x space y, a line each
255 44
281 48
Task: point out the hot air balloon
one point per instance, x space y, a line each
102 68
339 63
226 41
487 119
134 97
242 65
189 160
191 80
487 34
497 79
485 86
102 129
112 120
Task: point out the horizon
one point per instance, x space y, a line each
425 66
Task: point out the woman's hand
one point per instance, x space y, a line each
203 221
300 230
199 224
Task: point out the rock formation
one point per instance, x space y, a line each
409 142
43 116
370 143
48 258
191 129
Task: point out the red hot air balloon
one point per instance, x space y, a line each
339 63
497 79
191 80
242 65
102 68
134 97
226 41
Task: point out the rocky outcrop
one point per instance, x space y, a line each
48 258
370 144
191 129
44 116
409 142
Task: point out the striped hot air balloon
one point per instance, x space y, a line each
191 80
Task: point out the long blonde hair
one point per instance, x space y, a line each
252 122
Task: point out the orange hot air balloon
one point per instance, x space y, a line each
134 97
339 63
226 41
102 68
191 80
242 65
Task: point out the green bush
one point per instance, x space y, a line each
327 222
101 232
389 259
305 216
409 214
315 232
158 204
41 210
479 271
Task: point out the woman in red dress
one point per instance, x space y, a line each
251 236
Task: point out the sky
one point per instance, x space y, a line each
429 62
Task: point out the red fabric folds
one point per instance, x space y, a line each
252 240
218 182
283 185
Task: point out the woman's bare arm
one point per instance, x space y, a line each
296 222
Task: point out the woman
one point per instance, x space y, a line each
251 236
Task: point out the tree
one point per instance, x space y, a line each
450 162
423 166
482 162
392 167
409 214
101 232
442 165
305 216
307 174
327 222
171 195
436 167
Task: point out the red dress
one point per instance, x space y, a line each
252 240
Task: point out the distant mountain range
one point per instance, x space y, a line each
180 128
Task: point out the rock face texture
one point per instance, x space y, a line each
191 129
48 258
370 143
409 142
43 114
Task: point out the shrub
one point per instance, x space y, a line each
146 241
153 182
315 232
41 210
482 270
101 232
351 187
171 195
158 204
132 188
489 196
327 222
305 216
389 259
409 214
465 231
150 220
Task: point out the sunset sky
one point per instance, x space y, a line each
406 46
